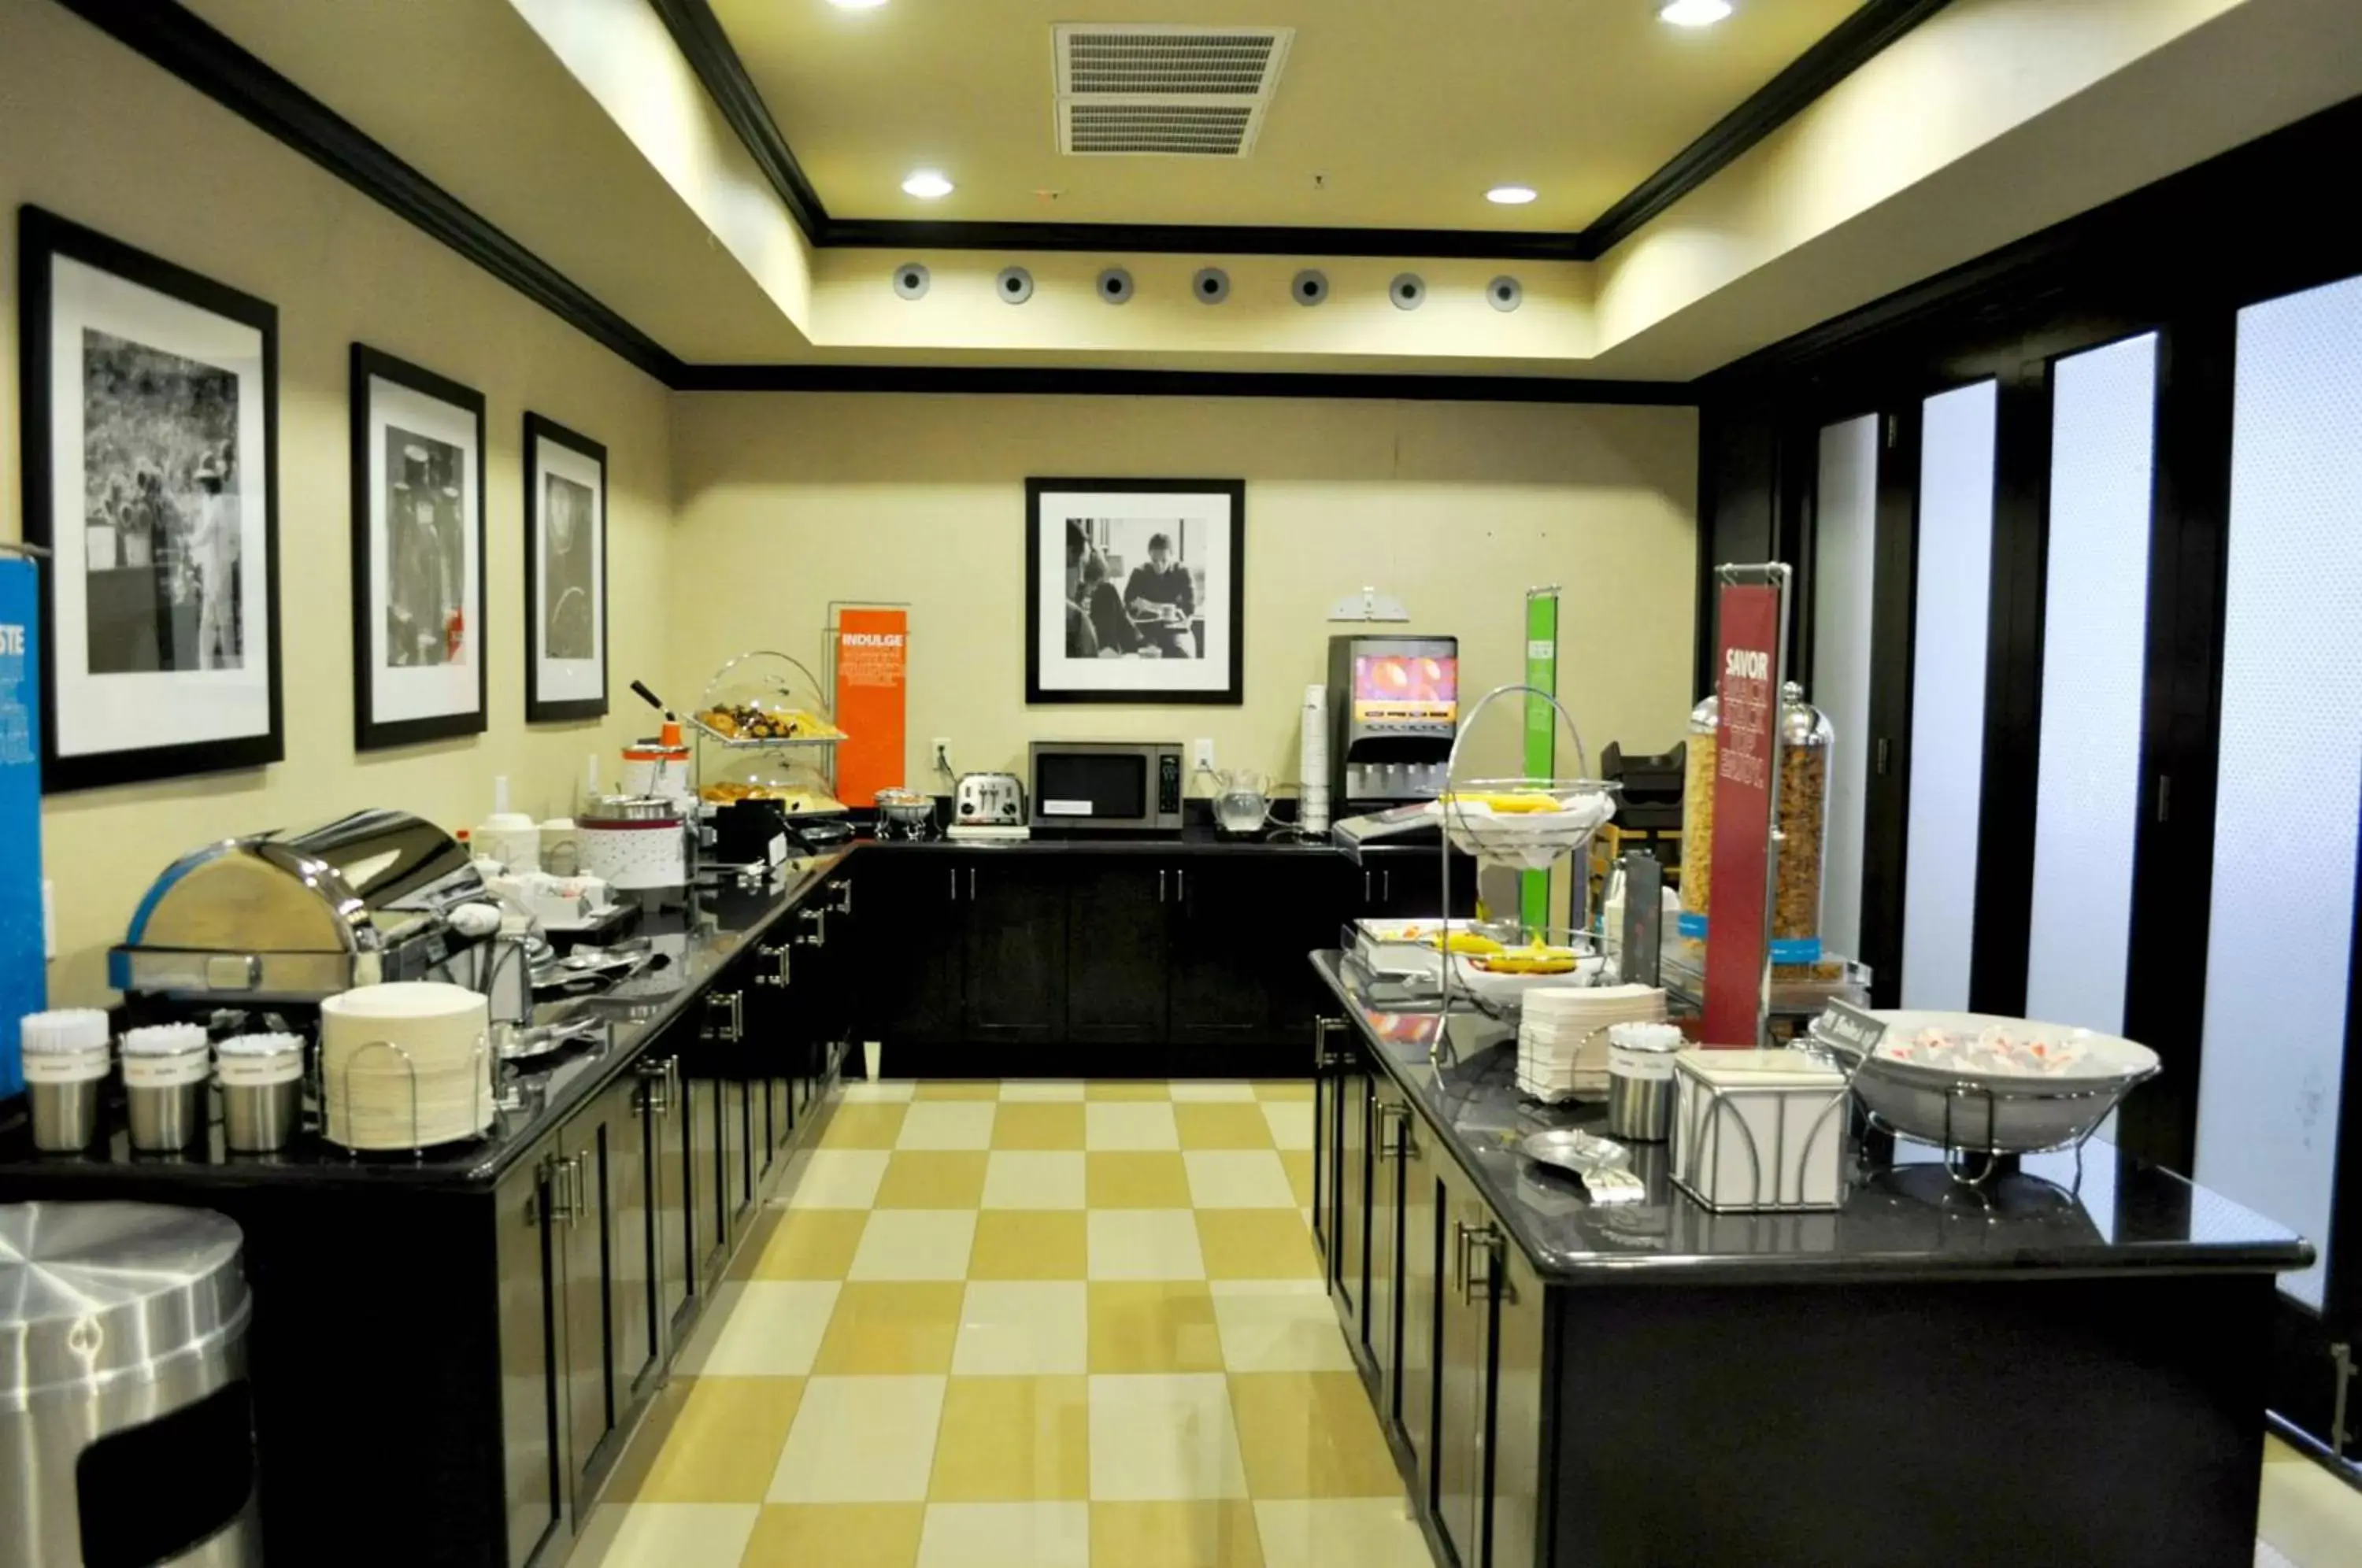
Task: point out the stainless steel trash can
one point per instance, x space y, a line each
127 1435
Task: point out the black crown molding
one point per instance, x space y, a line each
1842 51
209 61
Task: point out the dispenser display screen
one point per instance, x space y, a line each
1405 688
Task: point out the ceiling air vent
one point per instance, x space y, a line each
1176 90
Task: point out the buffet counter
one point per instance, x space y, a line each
1928 1371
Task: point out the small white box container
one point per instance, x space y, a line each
1759 1129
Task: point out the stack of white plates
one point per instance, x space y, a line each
405 1065
1563 1036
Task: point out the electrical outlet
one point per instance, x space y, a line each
1203 751
940 749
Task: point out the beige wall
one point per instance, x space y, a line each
786 502
96 134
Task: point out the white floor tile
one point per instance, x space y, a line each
914 1243
1007 1535
947 1124
1238 1179
2267 1557
665 1535
837 1179
1163 1436
861 1440
1291 1122
1187 1089
1130 1124
885 1091
760 1329
1279 1325
1143 1243
1029 1327
1028 1178
1041 1089
2308 1516
1367 1532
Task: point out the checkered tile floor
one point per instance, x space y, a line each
1023 1325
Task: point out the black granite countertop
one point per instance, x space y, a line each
1907 1220
1188 841
534 1098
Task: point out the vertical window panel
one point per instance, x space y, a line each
1947 693
2095 630
1845 535
2290 768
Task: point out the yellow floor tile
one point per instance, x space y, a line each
758 1242
933 1179
864 1127
891 1327
1154 1326
1030 1244
665 1535
958 1089
806 1243
1174 1535
1020 1125
1222 1125
1127 1089
710 1440
1125 1179
1013 1439
1298 1165
842 1535
1310 1434
1255 1244
1284 1088
915 1243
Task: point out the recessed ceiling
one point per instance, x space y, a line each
1391 113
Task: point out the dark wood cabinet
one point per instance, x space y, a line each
533 1483
672 1242
1119 937
1463 1406
1013 917
1420 1289
598 1209
1390 1136
1518 1422
1342 1110
1409 884
911 947
1221 976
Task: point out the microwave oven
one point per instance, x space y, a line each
1106 786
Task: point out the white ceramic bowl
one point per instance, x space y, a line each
2007 1112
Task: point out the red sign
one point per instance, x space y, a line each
1747 685
873 655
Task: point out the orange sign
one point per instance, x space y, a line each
873 652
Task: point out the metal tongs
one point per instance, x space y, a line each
1605 1166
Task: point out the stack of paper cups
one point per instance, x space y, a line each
68 1054
1313 760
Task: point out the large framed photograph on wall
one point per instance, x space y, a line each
150 404
418 554
565 574
1135 589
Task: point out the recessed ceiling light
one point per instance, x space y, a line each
856 4
1693 13
1510 195
926 185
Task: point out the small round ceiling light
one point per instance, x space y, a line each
1693 13
1115 285
910 280
1408 291
1504 294
1211 285
1310 288
1510 195
927 184
856 4
1015 285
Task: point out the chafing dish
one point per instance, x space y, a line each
296 917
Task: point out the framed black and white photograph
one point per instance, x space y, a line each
565 574
151 398
1135 589
418 554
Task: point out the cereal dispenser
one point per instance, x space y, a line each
1806 739
1697 818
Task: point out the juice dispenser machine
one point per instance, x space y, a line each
1394 704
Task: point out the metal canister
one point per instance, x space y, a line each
261 1079
165 1072
1640 1080
67 1055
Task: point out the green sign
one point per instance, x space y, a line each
1542 734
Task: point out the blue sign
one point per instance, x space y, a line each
24 979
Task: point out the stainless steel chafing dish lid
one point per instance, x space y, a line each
297 916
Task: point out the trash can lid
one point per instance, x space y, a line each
91 1293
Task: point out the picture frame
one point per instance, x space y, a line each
151 399
565 574
419 626
1135 591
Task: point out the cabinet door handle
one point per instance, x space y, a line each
1478 1240
565 1189
971 884
655 1086
726 1017
1369 886
1160 884
1460 1257
845 899
1322 1057
1181 884
778 978
955 876
1386 884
